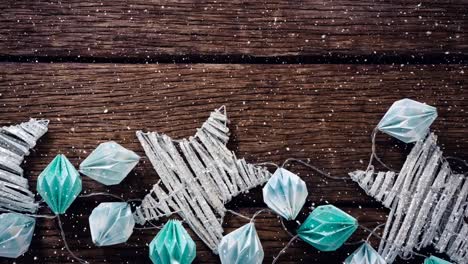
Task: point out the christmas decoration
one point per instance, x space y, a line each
241 246
59 184
427 200
408 120
111 223
365 254
201 174
15 143
285 193
435 260
16 231
172 245
109 163
327 228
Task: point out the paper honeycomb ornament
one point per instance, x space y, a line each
59 184
327 228
285 193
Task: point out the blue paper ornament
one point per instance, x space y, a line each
408 120
365 254
172 245
109 163
59 184
16 231
435 260
327 228
111 223
285 193
241 246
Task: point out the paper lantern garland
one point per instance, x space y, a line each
201 175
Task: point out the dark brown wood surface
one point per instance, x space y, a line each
324 113
153 29
302 79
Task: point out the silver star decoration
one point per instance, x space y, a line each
427 203
15 143
198 176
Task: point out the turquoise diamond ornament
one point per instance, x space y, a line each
435 260
408 120
109 163
327 228
59 184
365 254
111 223
285 193
172 245
241 246
16 231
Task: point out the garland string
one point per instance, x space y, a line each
80 260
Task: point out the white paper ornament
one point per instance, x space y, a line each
111 223
285 193
365 254
241 246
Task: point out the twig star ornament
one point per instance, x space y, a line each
198 176
15 143
427 200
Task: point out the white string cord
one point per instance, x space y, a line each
321 172
275 259
82 261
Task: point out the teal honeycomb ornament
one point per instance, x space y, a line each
59 184
285 193
435 260
327 228
109 163
111 223
408 120
365 254
16 231
241 246
172 245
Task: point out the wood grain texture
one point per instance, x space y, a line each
156 29
324 113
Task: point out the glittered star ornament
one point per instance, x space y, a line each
198 176
59 184
15 143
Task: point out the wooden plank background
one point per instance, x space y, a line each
99 71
